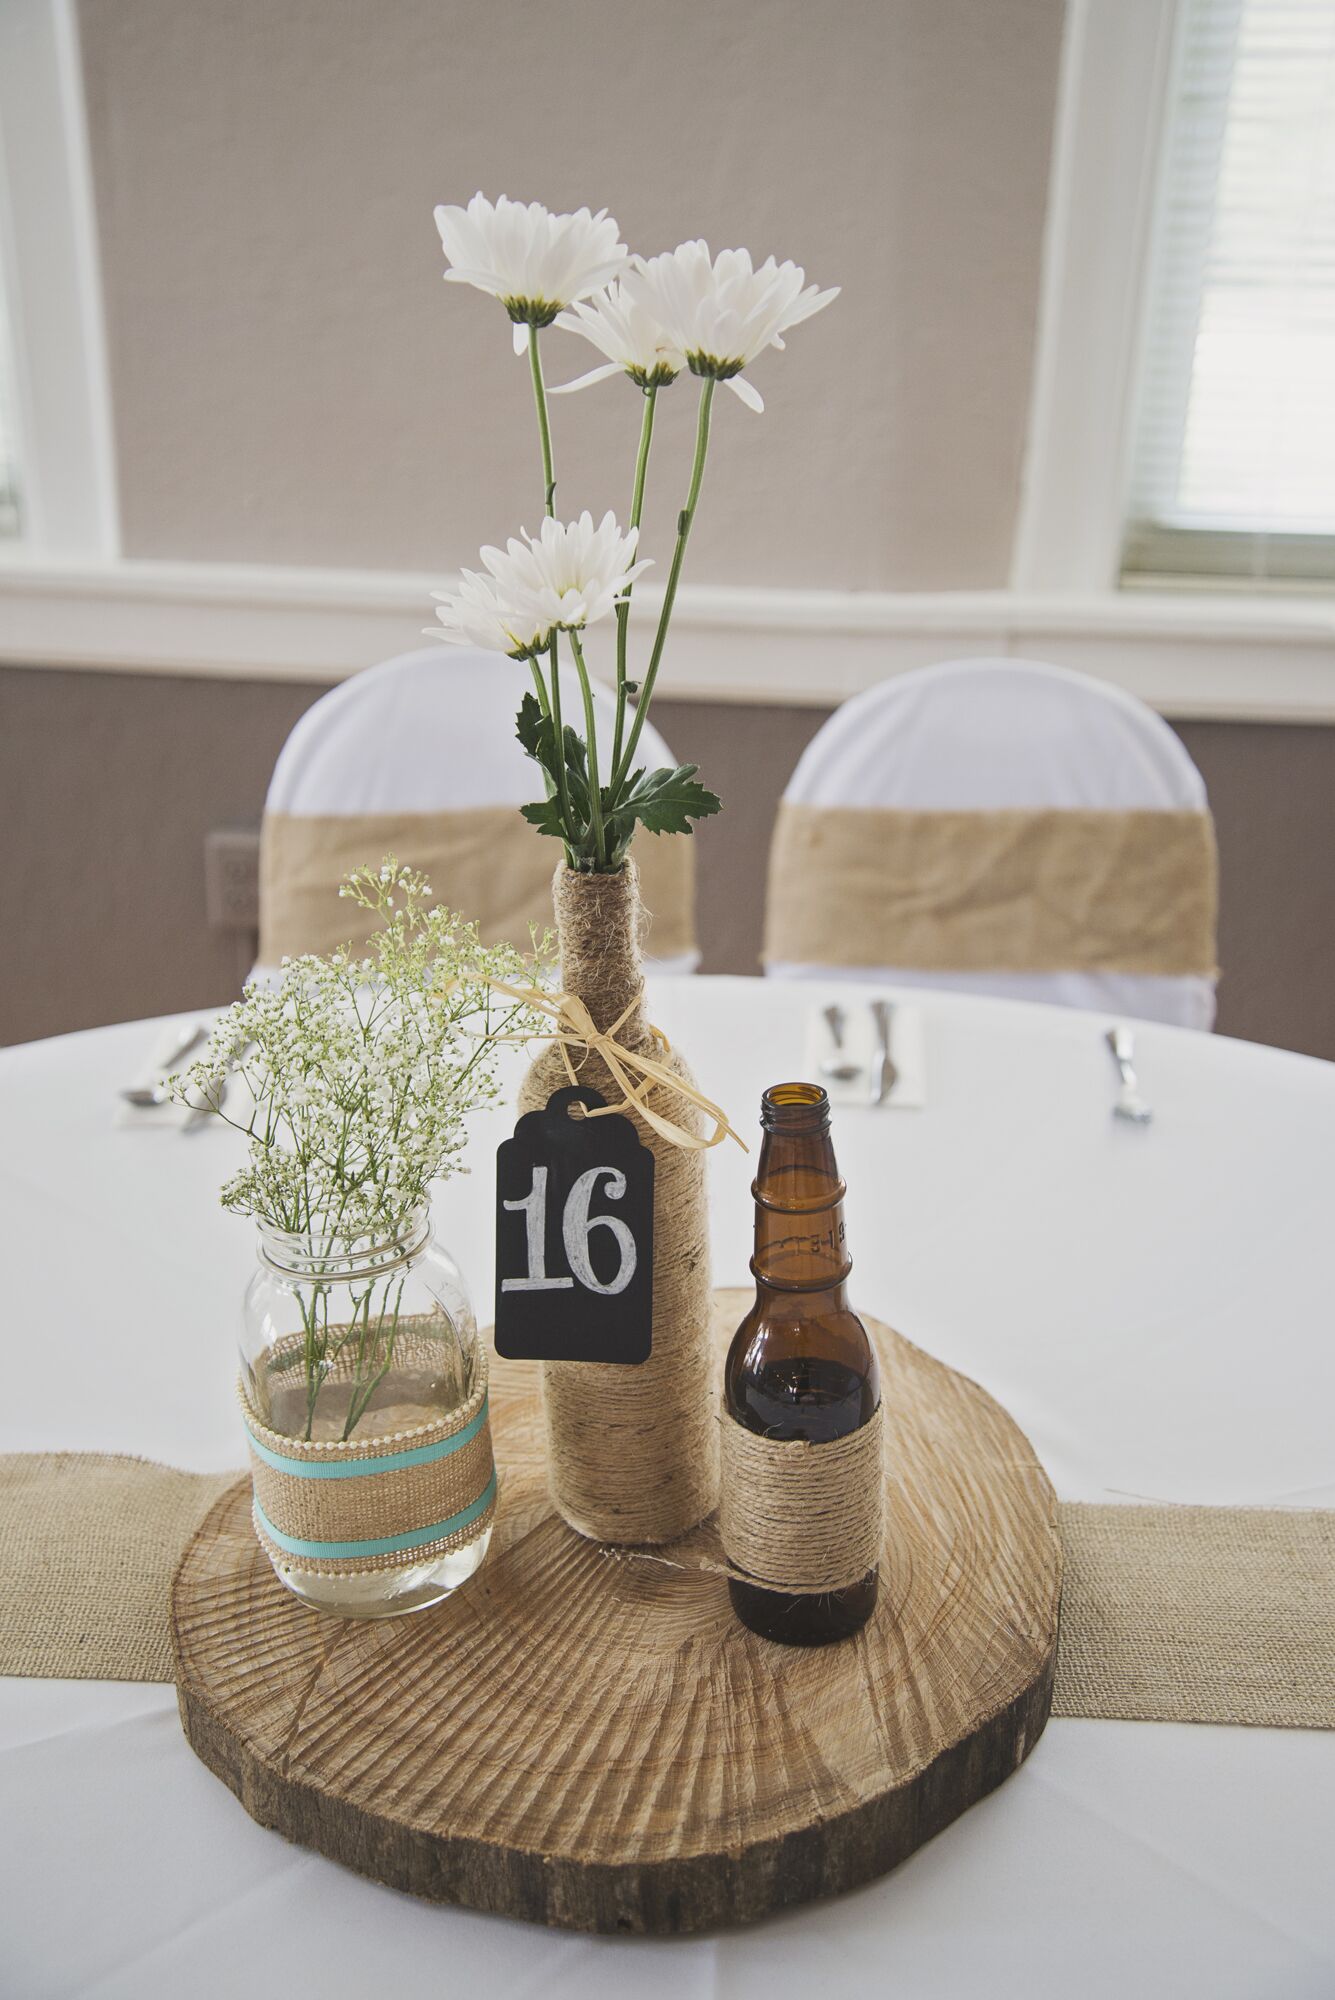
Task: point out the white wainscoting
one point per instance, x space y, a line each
1187 653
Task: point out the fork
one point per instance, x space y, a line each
1130 1104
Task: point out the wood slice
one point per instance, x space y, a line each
597 1742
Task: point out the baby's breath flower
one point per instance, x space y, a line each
363 1070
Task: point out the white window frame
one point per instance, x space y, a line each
1118 60
66 463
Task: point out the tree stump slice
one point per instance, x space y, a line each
596 1742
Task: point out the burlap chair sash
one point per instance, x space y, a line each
1015 891
486 862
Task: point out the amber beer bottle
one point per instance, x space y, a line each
801 1364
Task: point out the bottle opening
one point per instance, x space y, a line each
795 1108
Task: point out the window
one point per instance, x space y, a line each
1234 444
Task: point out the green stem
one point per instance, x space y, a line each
380 1357
313 1353
544 428
684 520
558 731
623 609
549 495
591 745
552 709
540 685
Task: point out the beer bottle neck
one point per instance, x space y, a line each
800 1243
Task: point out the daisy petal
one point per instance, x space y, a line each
745 392
583 381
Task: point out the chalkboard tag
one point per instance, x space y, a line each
574 1237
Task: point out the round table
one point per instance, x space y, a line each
1153 1307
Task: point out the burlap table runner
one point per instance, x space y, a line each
89 1543
1169 1614
1198 1614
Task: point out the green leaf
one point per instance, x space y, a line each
546 816
667 801
529 727
537 734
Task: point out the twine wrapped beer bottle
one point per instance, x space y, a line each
802 1477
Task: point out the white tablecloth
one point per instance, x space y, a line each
1154 1307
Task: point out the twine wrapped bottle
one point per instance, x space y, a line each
803 1486
632 1451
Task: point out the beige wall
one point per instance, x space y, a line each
293 383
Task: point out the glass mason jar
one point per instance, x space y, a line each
357 1340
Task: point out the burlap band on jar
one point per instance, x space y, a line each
343 1506
1019 891
798 1516
484 861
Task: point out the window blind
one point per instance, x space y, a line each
1234 450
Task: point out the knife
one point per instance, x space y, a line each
883 1071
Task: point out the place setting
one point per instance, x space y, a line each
871 1054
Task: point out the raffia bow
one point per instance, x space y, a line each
575 1028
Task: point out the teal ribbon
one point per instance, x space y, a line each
387 1545
358 1468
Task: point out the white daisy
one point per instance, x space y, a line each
476 614
721 313
623 329
534 262
565 577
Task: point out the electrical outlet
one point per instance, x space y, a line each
232 878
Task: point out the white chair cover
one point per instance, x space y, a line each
434 732
991 735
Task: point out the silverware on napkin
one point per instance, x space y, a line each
1130 1104
883 1070
149 1095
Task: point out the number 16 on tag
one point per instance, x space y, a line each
574 1237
